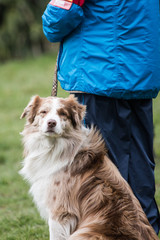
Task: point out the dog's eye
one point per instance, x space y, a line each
43 112
62 113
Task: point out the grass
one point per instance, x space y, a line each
19 219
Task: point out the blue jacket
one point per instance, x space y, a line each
109 48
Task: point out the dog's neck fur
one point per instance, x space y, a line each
50 154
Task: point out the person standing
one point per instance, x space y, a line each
109 58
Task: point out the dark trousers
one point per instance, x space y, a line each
127 128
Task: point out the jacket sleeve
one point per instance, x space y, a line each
59 22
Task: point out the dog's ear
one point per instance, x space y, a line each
77 111
31 109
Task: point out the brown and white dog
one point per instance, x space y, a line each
75 186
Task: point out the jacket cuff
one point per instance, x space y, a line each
59 22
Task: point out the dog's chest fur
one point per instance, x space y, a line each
42 167
55 193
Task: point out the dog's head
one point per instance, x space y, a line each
54 116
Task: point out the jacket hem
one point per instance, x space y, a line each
119 94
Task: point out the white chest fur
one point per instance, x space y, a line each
39 167
39 192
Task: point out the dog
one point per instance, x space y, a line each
76 187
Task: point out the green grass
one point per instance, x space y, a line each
19 219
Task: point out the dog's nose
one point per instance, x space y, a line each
51 123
